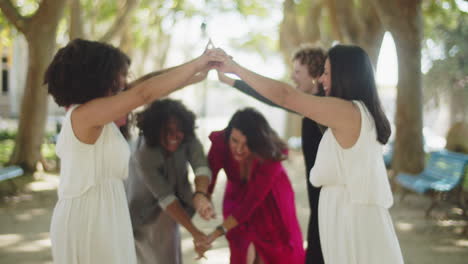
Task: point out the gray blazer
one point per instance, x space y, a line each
156 181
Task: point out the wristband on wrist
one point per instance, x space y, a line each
221 229
201 193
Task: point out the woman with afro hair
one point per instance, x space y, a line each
91 222
159 193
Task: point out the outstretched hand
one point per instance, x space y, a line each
203 245
226 63
209 58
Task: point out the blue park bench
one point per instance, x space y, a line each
10 172
443 173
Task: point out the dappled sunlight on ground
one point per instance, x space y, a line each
462 243
404 227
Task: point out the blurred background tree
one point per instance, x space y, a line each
446 81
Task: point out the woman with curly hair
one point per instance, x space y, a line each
91 222
260 220
159 194
308 64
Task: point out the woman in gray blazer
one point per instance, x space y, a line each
159 193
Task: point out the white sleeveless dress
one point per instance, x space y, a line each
354 223
91 221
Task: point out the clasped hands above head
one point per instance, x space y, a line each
216 58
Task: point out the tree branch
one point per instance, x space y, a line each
121 20
351 18
13 16
290 35
334 22
312 32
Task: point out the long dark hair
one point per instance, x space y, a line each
84 70
153 121
261 138
352 77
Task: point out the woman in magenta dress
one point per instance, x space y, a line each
260 219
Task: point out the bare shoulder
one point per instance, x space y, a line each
84 131
348 133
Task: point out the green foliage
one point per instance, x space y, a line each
101 11
252 7
7 134
6 148
26 7
7 144
302 8
260 8
446 32
256 41
439 13
48 151
3 23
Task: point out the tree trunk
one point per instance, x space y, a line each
458 97
40 32
336 24
374 31
312 33
290 35
76 21
371 43
359 24
403 18
33 116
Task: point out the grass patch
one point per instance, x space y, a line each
6 148
7 145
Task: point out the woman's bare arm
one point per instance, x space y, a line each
89 118
342 116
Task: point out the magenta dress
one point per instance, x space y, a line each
263 206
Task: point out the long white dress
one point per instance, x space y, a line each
91 221
354 223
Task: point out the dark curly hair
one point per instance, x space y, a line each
261 138
313 57
153 121
84 70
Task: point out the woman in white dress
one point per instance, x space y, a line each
354 223
91 222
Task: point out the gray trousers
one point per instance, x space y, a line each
159 242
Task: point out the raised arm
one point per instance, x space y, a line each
198 77
338 114
242 86
103 110
89 118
